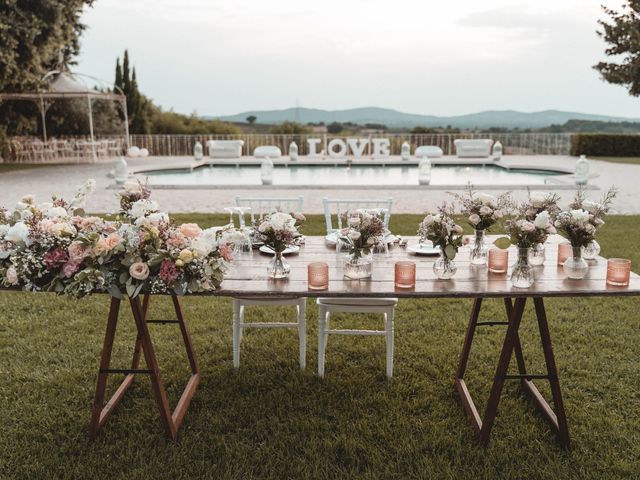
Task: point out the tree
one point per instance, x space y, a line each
623 36
118 81
335 127
251 119
290 128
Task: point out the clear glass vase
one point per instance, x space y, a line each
537 255
444 268
358 265
277 267
522 273
478 249
575 266
591 251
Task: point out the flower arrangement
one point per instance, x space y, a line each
279 230
526 233
365 230
539 202
580 223
55 247
483 210
441 229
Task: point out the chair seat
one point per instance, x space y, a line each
268 299
365 301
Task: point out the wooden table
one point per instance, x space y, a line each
248 278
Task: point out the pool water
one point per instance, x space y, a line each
354 175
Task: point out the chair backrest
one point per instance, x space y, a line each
261 206
342 207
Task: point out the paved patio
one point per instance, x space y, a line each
62 180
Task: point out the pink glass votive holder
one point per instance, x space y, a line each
565 250
405 275
318 275
498 260
618 271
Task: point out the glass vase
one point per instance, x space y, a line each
575 266
358 265
444 268
537 255
277 267
522 273
478 249
591 251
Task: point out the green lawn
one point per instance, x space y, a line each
269 420
628 160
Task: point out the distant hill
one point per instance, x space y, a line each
394 118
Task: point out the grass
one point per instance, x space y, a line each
627 160
269 420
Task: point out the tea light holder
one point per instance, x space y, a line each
405 275
498 261
565 250
618 272
318 275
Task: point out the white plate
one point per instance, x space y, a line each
424 249
287 251
332 238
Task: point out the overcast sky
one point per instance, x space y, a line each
445 57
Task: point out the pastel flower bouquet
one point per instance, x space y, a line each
365 231
55 247
279 231
443 232
483 211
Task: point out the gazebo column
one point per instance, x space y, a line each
43 113
93 140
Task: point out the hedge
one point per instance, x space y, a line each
605 145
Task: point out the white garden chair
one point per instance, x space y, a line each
327 306
341 208
261 207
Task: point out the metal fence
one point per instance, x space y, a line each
182 145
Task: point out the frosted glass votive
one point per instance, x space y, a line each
565 250
618 272
498 261
405 275
318 276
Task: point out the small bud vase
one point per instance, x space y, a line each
537 255
358 266
478 249
277 267
591 251
522 274
444 268
575 266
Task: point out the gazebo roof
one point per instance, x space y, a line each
65 82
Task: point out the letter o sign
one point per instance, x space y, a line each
342 148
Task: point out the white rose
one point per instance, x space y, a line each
474 219
590 206
580 216
528 227
280 220
18 233
355 236
485 211
542 220
58 212
142 208
486 199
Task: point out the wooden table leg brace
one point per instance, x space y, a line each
100 413
483 426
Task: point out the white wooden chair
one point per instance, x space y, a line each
259 208
327 306
340 208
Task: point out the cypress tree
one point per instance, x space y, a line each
126 78
118 80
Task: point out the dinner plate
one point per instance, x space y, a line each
287 251
424 249
332 238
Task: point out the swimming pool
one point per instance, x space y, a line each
331 175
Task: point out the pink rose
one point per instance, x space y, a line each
226 252
190 230
177 241
528 226
70 268
78 252
139 271
112 241
55 258
12 275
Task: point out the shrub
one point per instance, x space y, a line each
606 145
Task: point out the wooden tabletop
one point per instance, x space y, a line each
248 276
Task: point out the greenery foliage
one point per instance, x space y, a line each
623 37
291 128
606 145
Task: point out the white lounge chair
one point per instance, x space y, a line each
428 151
225 148
473 147
265 151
